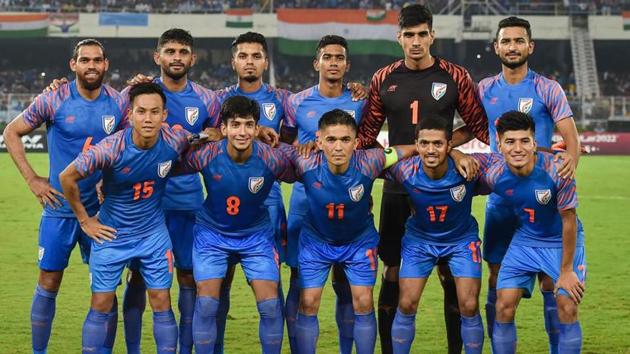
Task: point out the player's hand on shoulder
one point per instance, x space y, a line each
566 164
97 231
55 84
306 149
139 79
466 165
213 134
268 136
359 92
569 282
44 192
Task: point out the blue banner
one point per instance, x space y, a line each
122 19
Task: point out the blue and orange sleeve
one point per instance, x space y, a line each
100 156
42 109
554 97
371 162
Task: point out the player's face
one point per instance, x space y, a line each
518 147
332 63
249 61
416 41
433 147
147 115
90 66
513 46
338 142
240 132
175 59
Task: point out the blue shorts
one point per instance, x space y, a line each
298 208
212 252
278 218
358 259
522 264
180 227
57 238
499 228
152 256
419 258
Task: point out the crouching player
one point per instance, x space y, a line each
234 224
130 225
339 226
440 228
549 238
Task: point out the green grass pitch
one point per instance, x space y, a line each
604 193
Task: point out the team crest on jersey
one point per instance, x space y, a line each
350 112
108 124
525 104
438 90
192 114
270 110
256 183
164 168
356 193
458 193
543 196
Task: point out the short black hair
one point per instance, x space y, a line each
435 123
176 35
250 37
514 21
337 117
146 88
331 39
239 106
85 42
414 15
515 120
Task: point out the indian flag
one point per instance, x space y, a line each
367 31
626 20
239 18
23 25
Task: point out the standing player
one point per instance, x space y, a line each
130 225
193 108
339 226
418 86
234 224
548 239
78 115
304 111
441 228
518 88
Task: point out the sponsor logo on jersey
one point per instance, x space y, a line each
543 196
108 123
126 170
350 112
458 193
270 110
494 100
192 114
392 88
317 185
164 168
217 177
70 119
525 104
256 183
438 89
40 254
356 193
311 114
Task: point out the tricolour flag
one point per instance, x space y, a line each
239 18
626 20
367 31
23 25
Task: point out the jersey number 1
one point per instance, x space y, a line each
415 111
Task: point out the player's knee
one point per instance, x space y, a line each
50 281
407 305
160 300
567 310
363 302
390 273
309 304
102 302
505 310
469 306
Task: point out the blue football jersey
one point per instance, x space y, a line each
273 103
134 179
541 98
338 205
193 109
234 205
537 199
73 125
442 207
305 109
